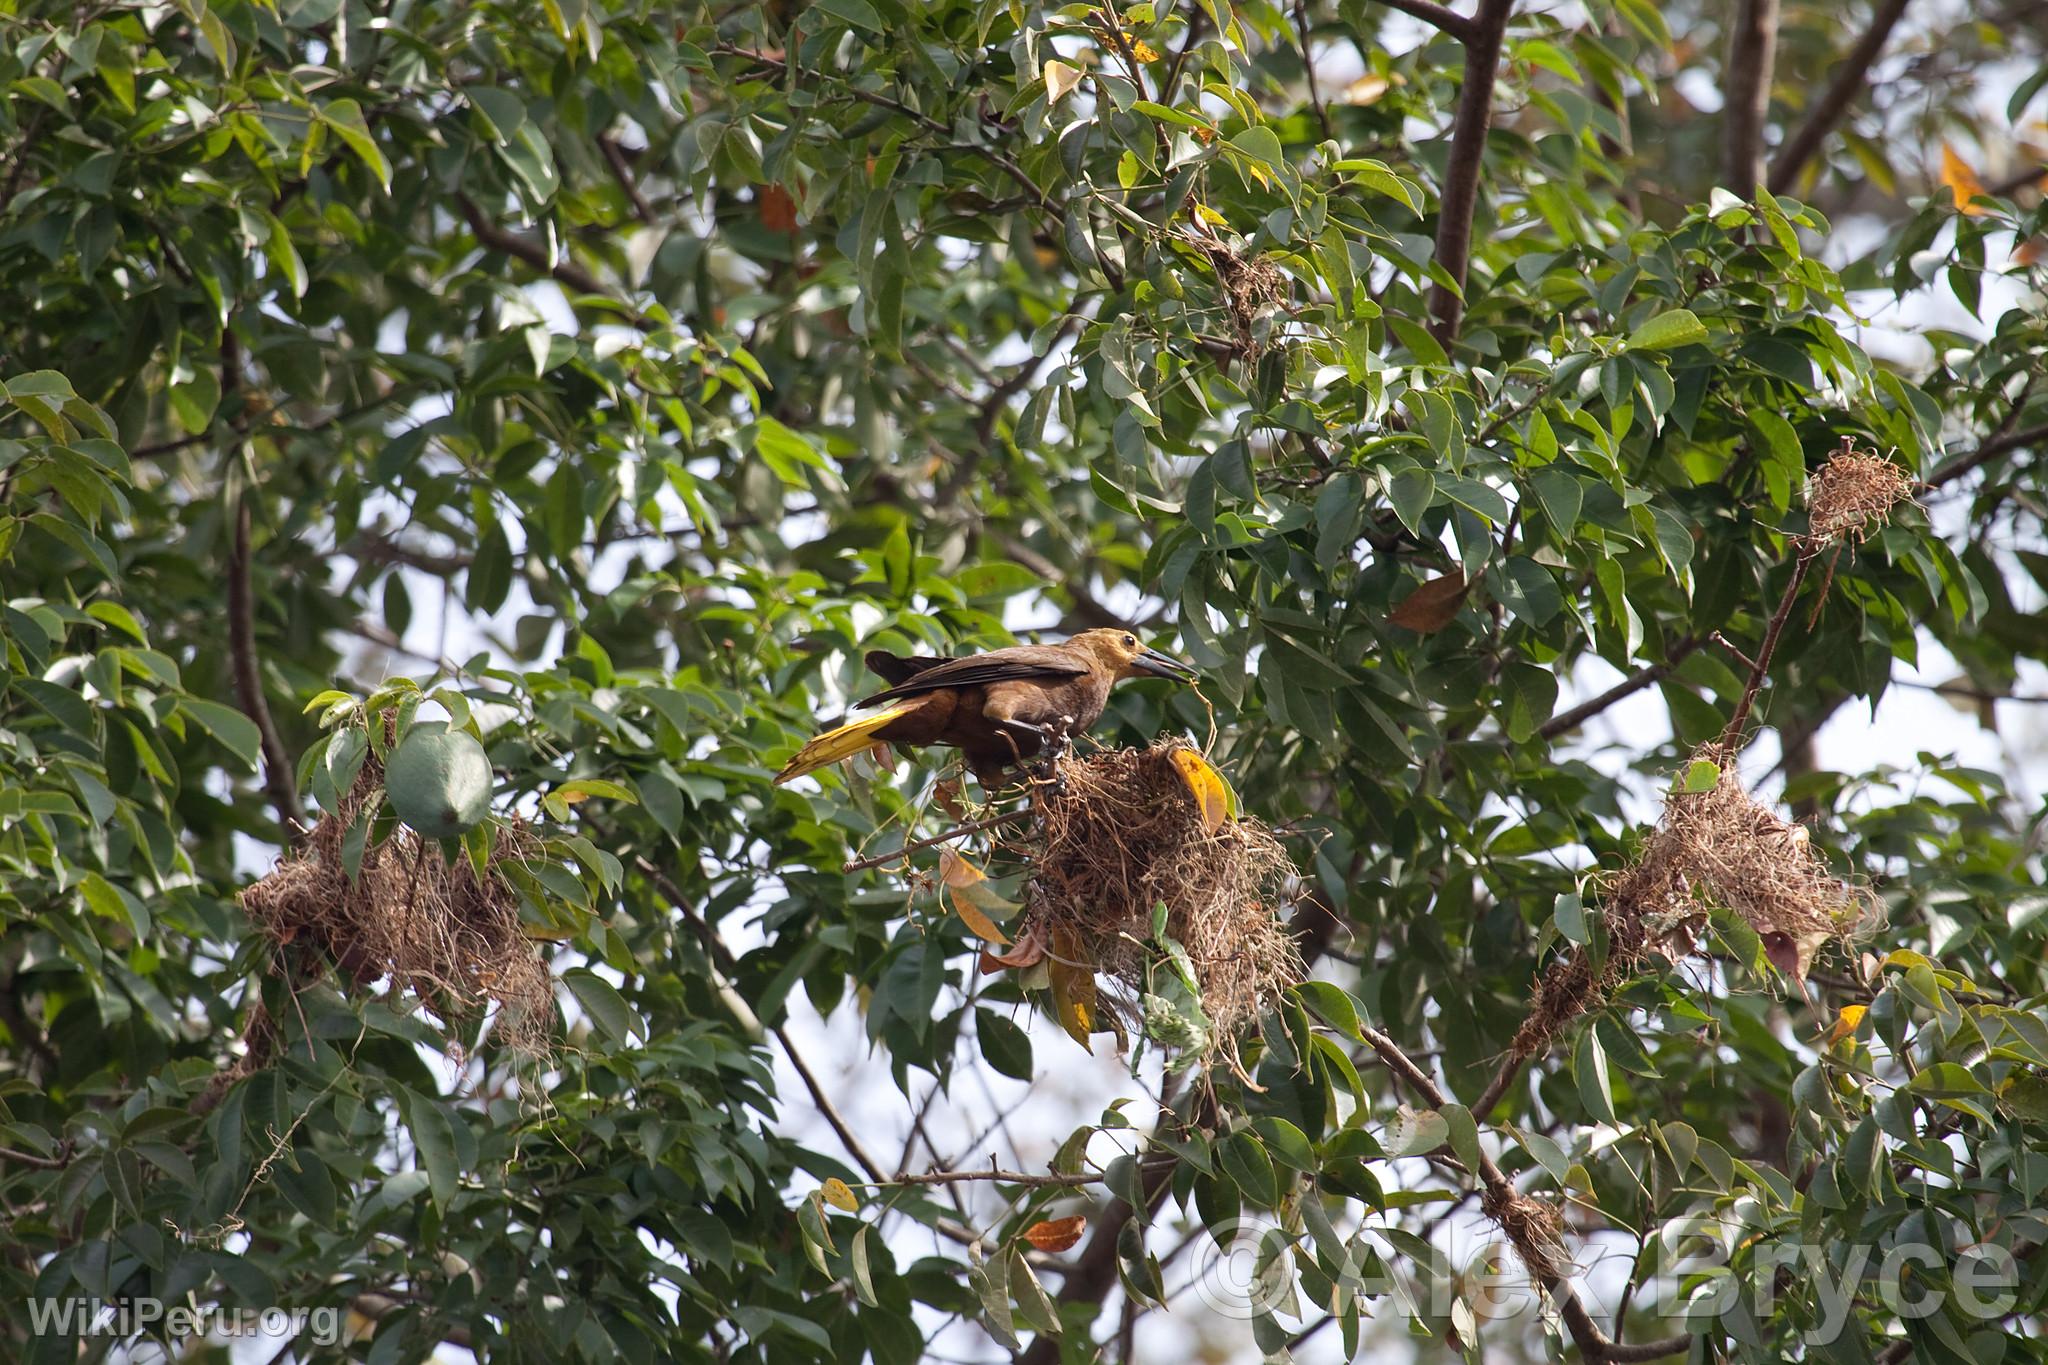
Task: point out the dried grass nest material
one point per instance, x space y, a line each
1120 833
437 930
1852 495
1717 847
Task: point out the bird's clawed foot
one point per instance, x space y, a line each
1059 742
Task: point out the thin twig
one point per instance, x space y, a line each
492 237
1087 606
1769 647
622 171
972 827
830 1110
40 1163
1848 84
1308 66
1594 1344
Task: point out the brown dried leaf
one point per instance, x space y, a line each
1432 606
1056 1234
778 209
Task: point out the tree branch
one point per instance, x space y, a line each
278 772
492 237
1985 453
1308 67
1776 628
1594 1344
1086 605
1752 58
622 171
1437 16
1482 36
1843 91
1635 682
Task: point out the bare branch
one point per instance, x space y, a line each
1846 87
493 237
1594 1344
1482 36
1635 682
1776 628
1987 452
278 772
1002 1177
972 827
1752 58
1086 605
1308 67
1437 16
622 171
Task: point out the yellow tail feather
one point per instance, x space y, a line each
844 742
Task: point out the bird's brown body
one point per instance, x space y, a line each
998 708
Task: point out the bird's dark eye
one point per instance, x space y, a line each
1131 641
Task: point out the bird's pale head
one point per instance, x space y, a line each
1126 656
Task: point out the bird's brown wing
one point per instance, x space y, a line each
998 665
897 668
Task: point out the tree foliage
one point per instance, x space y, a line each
1417 372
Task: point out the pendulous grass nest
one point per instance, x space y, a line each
440 932
1718 846
1120 833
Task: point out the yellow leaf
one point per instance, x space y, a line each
1206 785
1366 89
571 798
1211 216
966 890
955 870
1059 79
1961 180
1144 52
972 916
1073 986
839 1196
1845 1023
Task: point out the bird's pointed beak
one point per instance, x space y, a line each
1152 663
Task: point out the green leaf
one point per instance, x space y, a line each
858 13
433 1137
616 1019
345 117
1005 1045
1245 1161
1411 491
1415 1131
227 725
1668 331
1589 1069
1570 917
